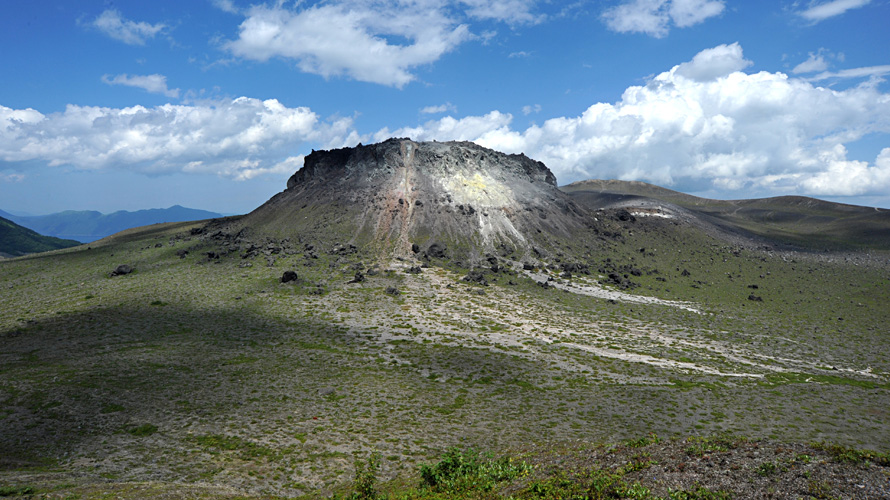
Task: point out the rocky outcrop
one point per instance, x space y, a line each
410 199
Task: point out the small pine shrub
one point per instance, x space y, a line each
465 470
366 478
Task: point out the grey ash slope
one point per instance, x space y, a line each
399 194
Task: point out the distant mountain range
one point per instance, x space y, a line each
86 226
16 240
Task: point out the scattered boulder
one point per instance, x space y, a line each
493 263
344 249
359 277
414 270
121 270
575 267
436 250
625 216
621 281
182 253
251 251
289 276
391 290
476 276
755 298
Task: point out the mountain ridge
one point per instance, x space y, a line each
799 221
89 225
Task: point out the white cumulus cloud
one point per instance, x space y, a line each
510 11
696 129
868 71
351 40
156 84
656 17
112 24
240 138
11 177
441 108
843 177
714 63
821 11
227 6
378 41
816 62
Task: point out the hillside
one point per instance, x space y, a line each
332 335
16 240
86 226
791 220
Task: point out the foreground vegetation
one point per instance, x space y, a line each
719 467
200 371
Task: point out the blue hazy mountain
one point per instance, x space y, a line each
87 225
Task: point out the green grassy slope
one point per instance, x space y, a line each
16 240
205 373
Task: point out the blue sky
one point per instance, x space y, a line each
213 104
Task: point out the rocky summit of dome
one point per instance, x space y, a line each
401 197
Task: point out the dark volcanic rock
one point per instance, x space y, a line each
121 270
436 250
476 276
289 276
625 216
